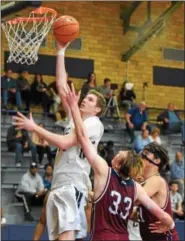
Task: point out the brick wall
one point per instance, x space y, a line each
103 40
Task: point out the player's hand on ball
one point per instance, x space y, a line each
62 45
22 122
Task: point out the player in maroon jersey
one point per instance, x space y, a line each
114 190
155 159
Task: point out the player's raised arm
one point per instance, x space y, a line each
63 142
98 164
61 75
165 218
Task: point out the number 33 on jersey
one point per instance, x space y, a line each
114 206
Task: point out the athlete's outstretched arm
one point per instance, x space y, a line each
61 75
61 141
165 218
98 164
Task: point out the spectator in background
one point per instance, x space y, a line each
155 135
3 219
31 190
88 85
43 96
109 152
142 140
183 209
101 150
182 133
105 89
47 178
176 200
52 89
35 89
171 120
177 171
42 147
9 90
24 88
127 95
19 142
136 119
58 110
165 173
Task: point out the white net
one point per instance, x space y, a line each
25 35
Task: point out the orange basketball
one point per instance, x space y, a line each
65 29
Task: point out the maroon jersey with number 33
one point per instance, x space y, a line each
113 208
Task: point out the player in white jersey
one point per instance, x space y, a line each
70 184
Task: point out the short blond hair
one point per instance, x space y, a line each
101 102
131 165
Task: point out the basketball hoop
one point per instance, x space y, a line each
25 35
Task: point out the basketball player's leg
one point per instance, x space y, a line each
52 217
40 228
63 218
67 235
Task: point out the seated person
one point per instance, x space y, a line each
52 89
47 178
42 147
41 94
127 95
177 171
155 135
182 133
105 89
88 85
136 119
30 190
3 219
9 90
142 140
176 200
171 120
24 88
19 142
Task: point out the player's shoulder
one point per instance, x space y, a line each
93 120
157 180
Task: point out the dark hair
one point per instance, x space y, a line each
35 78
40 123
48 165
110 144
33 165
159 152
131 165
8 69
148 128
173 182
106 80
21 71
89 78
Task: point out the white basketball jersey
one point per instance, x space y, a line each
71 166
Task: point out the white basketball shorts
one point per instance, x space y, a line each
133 230
65 210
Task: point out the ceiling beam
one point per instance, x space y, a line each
152 30
126 14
